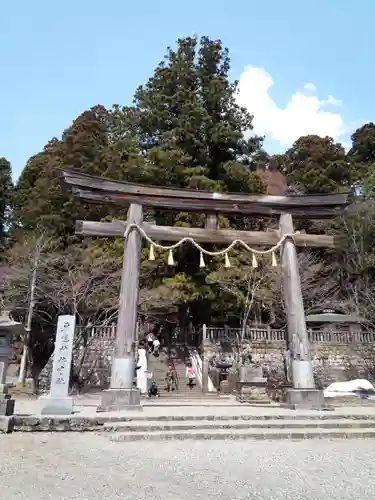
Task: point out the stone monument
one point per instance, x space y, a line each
58 401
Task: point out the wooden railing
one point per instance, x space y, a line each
99 332
270 335
252 334
220 334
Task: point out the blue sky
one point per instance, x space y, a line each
306 66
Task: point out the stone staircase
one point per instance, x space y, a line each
239 427
178 356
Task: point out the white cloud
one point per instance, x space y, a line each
304 114
309 86
333 101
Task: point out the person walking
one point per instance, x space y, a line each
156 346
150 342
190 375
142 370
170 379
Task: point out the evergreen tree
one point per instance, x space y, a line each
6 186
315 165
362 156
188 108
39 199
363 145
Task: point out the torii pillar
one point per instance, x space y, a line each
122 394
304 393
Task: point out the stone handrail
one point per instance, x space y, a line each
196 362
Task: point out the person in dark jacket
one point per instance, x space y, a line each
153 390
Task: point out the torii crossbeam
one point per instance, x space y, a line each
136 196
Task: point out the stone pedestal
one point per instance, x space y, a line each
312 399
6 402
120 399
6 410
53 405
252 385
6 405
224 387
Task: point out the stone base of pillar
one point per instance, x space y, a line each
308 399
120 399
27 387
6 424
6 405
53 405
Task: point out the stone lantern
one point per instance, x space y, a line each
8 327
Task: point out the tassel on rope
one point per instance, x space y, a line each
227 261
254 262
170 258
151 255
274 261
201 260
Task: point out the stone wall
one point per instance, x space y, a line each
332 362
91 366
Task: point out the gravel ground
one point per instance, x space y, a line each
71 466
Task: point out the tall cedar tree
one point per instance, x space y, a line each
188 108
6 186
39 198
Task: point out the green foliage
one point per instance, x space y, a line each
188 106
363 145
39 199
368 185
316 165
244 292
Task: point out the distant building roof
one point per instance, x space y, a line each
326 308
332 317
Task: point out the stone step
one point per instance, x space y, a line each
177 395
241 434
183 402
188 395
247 417
350 401
169 415
155 425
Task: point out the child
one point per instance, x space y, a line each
153 390
190 375
150 342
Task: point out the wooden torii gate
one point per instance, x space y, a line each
134 196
